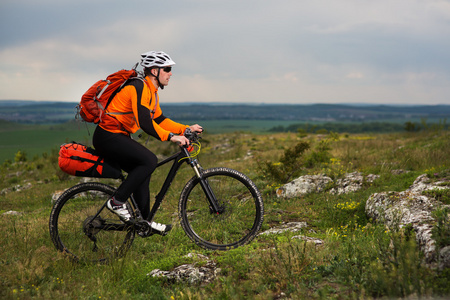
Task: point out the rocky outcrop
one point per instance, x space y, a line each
12 213
411 207
423 183
290 226
352 182
304 185
293 227
16 188
318 183
308 239
191 273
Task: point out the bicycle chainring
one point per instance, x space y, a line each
143 229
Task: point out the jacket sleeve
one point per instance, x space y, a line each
170 125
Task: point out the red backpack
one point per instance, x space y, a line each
79 160
94 102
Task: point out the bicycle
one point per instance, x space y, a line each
219 209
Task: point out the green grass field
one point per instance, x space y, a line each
37 139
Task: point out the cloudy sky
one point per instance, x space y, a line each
255 51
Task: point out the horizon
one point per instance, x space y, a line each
247 103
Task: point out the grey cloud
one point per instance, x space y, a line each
369 43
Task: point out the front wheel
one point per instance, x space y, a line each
240 215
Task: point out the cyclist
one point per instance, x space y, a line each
136 106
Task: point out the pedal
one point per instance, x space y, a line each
143 228
146 229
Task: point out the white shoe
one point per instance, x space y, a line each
120 210
159 228
152 228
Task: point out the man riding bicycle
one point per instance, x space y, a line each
136 106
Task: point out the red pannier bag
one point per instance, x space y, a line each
79 160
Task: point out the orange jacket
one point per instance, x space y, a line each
136 107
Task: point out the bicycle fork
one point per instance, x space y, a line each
213 202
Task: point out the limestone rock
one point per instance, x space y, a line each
409 207
12 213
190 272
290 226
16 188
309 239
303 185
317 183
352 182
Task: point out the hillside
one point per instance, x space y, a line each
339 253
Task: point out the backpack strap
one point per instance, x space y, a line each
114 94
152 111
96 97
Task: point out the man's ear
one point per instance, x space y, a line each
154 71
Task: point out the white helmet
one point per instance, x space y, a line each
156 59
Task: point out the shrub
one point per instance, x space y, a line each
20 156
320 154
441 230
289 165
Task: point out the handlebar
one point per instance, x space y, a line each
192 136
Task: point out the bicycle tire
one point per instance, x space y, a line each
75 232
241 201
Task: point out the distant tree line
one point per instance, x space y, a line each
369 127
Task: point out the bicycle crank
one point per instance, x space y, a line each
143 229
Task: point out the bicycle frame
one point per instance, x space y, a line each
178 159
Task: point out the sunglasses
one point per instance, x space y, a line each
167 69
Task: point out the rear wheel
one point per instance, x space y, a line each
240 215
80 227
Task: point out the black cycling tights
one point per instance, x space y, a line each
133 158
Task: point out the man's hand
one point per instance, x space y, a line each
197 128
180 140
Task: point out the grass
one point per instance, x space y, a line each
37 139
359 259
